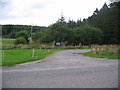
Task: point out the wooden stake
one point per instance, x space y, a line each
33 53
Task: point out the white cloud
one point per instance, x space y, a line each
46 12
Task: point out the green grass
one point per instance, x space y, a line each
101 56
6 41
17 56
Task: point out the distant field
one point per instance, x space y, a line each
16 56
7 41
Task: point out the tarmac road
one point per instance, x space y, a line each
64 69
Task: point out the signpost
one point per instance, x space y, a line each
30 38
57 44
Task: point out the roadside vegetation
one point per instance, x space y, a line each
19 40
10 44
104 51
17 56
96 29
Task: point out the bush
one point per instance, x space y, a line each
87 35
24 34
20 40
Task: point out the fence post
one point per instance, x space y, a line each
3 57
33 53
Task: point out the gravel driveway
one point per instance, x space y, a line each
64 69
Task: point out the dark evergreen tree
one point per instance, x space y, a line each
107 20
62 19
79 22
71 24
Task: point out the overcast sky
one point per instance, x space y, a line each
45 12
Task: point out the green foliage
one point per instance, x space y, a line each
73 32
107 20
22 33
73 24
37 36
41 37
86 35
20 40
9 31
58 32
62 19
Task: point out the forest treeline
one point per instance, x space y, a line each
100 28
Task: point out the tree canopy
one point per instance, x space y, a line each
100 28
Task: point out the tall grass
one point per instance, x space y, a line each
9 44
105 49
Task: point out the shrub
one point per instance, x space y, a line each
24 34
20 40
87 35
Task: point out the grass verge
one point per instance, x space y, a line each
17 56
101 56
